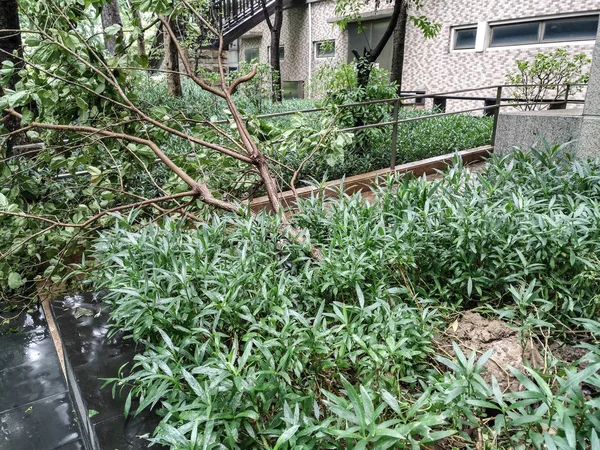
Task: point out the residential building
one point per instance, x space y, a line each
477 45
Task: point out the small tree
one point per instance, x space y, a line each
548 76
349 10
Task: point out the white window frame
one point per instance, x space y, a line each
542 20
316 49
480 37
453 37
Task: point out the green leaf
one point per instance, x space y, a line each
360 295
391 401
191 380
27 117
81 103
569 431
112 30
14 280
15 99
594 441
286 436
127 404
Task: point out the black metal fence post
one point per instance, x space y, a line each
394 134
557 104
496 113
440 103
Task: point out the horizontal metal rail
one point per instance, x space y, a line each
444 114
403 98
399 102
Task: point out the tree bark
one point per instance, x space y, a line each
369 58
157 54
172 57
141 41
11 49
110 16
275 67
275 61
275 29
398 49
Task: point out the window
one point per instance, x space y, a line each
367 33
578 29
515 34
292 89
552 30
251 54
464 38
281 53
325 49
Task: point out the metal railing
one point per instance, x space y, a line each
492 106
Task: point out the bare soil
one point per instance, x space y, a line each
473 332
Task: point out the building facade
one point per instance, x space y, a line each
477 45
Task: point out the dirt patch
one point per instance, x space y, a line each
567 353
474 332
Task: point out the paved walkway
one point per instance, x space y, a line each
36 410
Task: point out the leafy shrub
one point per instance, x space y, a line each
547 76
250 343
416 140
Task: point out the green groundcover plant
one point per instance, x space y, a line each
251 343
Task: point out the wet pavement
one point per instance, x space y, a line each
89 356
36 410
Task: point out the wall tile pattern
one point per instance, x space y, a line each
295 39
431 65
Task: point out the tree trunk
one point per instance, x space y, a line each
275 28
110 16
11 49
398 50
141 41
365 63
172 57
157 54
275 61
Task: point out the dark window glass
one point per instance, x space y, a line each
465 38
325 49
516 34
292 89
251 54
367 34
571 29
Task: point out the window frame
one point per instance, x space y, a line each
316 46
257 54
541 23
456 31
281 50
565 19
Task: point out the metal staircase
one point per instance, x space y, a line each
236 17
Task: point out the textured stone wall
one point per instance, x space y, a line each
295 40
528 129
431 65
